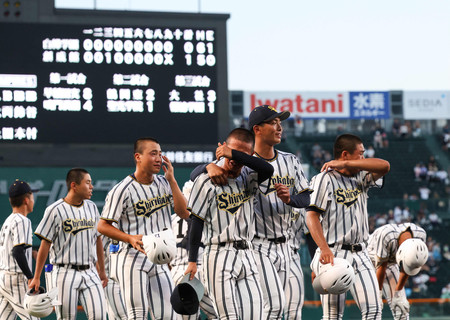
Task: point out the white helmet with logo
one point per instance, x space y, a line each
334 279
40 304
160 247
412 255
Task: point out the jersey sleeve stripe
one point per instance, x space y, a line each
106 219
42 237
196 214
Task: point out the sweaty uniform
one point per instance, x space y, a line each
383 246
142 209
72 230
116 306
272 224
229 266
295 290
180 262
342 202
16 230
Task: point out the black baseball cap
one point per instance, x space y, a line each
186 296
265 113
19 188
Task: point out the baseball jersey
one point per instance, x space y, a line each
16 230
72 230
273 216
342 201
139 208
383 242
298 228
226 210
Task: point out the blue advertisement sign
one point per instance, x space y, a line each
369 105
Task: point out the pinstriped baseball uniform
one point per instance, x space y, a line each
230 274
383 246
72 230
273 220
179 265
295 290
116 307
342 201
16 230
142 209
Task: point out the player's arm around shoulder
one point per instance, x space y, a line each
376 166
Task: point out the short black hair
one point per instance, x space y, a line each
18 201
139 142
345 142
243 135
75 175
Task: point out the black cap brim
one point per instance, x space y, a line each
282 115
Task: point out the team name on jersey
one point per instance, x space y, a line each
231 202
76 225
148 207
286 180
347 197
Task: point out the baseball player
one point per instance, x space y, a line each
226 212
116 307
273 208
383 246
179 264
15 252
68 230
141 204
338 221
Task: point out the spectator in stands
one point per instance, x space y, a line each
423 171
432 168
424 192
398 214
406 215
417 171
396 128
370 152
417 131
445 293
405 129
380 137
435 220
317 156
436 252
391 216
446 252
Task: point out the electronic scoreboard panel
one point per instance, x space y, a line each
101 82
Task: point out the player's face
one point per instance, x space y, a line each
271 132
150 160
84 189
234 168
30 203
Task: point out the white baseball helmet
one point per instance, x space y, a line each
412 255
40 304
334 279
160 247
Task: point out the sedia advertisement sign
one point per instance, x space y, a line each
308 105
426 105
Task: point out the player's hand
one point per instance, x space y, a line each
223 151
333 165
103 278
136 241
283 192
217 174
34 284
192 269
400 304
167 168
326 256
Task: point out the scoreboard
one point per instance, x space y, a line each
81 76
